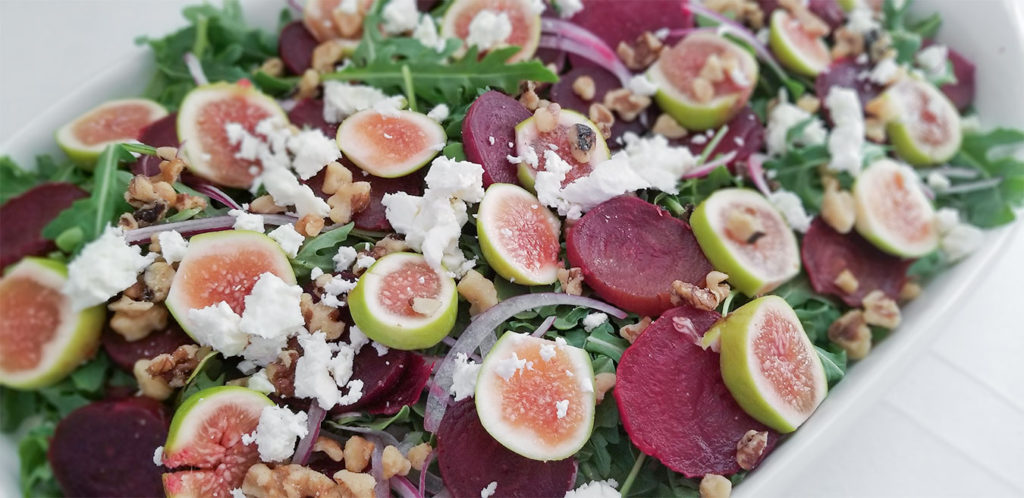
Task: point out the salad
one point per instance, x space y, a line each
482 247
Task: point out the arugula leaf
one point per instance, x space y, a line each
209 373
14 180
815 311
16 407
834 361
319 252
992 155
36 476
797 171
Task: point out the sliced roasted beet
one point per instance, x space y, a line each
380 375
960 93
488 131
828 11
295 46
407 392
673 402
631 251
309 113
161 133
745 136
106 449
25 216
614 20
826 253
426 5
846 73
374 216
124 354
470 459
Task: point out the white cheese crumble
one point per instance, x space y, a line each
489 29
426 33
390 106
272 309
247 221
884 72
344 258
569 8
400 16
937 181
158 456
289 239
508 367
438 113
957 239
792 209
933 60
488 491
363 262
595 489
105 266
217 326
561 408
528 156
286 190
640 85
784 117
862 20
319 374
312 150
357 339
379 348
846 142
547 352
172 246
278 431
594 320
259 382
237 493
464 377
342 100
260 352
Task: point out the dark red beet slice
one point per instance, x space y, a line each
470 459
829 11
614 20
673 401
380 374
160 133
310 113
960 93
486 132
25 216
847 74
374 217
106 449
826 253
745 136
295 46
410 386
631 252
125 354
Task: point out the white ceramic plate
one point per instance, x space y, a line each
989 32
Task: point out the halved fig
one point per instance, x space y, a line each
518 235
390 146
403 303
112 122
536 396
42 339
798 49
893 212
704 80
573 138
746 238
922 124
202 120
524 21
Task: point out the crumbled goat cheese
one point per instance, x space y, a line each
459 179
527 155
933 60
313 376
792 209
426 34
439 113
272 308
884 71
363 262
342 100
390 106
249 438
217 326
400 16
784 117
489 29
105 266
259 382
337 286
286 190
957 239
846 142
938 182
355 392
158 456
247 221
464 377
489 490
312 150
862 20
261 352
172 246
278 431
640 85
289 239
594 320
569 8
595 489
547 352
340 365
379 348
561 408
237 493
344 259
538 6
508 367
357 339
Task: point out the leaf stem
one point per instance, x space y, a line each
628 483
713 144
410 93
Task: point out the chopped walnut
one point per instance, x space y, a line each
478 290
134 320
715 283
335 176
874 130
632 331
390 244
394 463
668 127
419 454
811 23
281 372
603 118
150 386
837 207
308 84
851 333
881 310
571 281
750 447
641 53
176 367
809 103
529 97
347 197
425 305
715 486
909 291
171 167
349 24
288 481
846 281
744 11
127 221
309 225
157 278
321 317
604 382
167 153
848 43
582 144
584 87
743 226
627 104
329 447
713 69
703 90
184 202
705 298
357 453
546 118
881 47
273 66
355 485
326 55
264 204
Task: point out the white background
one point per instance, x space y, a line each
953 425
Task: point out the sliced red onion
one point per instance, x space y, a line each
384 436
213 193
964 188
450 341
380 490
424 471
314 417
483 326
706 168
569 37
202 225
295 5
195 68
953 172
730 26
404 488
544 326
755 168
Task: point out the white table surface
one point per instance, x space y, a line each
952 426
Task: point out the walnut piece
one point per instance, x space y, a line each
273 66
631 332
326 55
309 225
851 333
425 305
478 290
584 87
809 103
750 447
150 386
603 118
881 310
321 317
308 84
394 463
546 118
641 53
281 372
329 447
582 139
837 206
529 97
355 485
846 281
571 281
357 453
848 43
910 290
702 89
176 367
668 127
715 486
158 278
743 226
391 243
604 382
418 455
347 197
705 298
627 104
136 319
264 204
288 481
